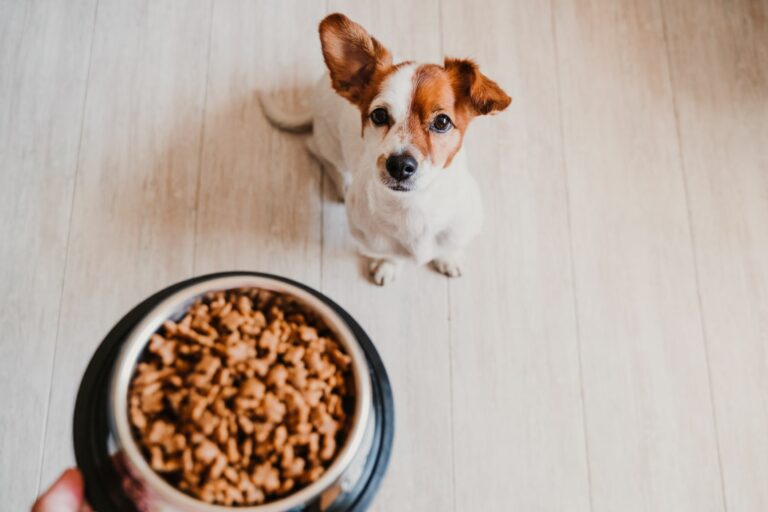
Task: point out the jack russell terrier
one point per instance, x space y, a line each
390 135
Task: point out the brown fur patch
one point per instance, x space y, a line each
478 93
457 90
355 60
435 94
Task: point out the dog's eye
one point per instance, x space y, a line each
441 124
379 117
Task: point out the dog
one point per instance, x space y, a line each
390 135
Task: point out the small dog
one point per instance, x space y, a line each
390 137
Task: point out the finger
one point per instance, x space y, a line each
65 495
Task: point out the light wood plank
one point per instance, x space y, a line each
44 54
260 204
719 65
407 320
519 430
651 435
133 219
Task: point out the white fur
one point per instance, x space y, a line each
433 222
397 92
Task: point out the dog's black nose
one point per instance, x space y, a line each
401 167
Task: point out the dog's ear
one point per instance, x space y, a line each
353 57
478 92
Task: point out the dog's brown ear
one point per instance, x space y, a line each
353 57
480 94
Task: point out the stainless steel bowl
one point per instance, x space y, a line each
160 496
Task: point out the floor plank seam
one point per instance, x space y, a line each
321 282
450 392
201 149
323 205
441 46
694 256
574 294
67 249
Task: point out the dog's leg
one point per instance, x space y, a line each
451 265
339 178
383 270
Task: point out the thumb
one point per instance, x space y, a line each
65 495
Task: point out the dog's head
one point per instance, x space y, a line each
413 116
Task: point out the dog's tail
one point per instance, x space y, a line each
296 122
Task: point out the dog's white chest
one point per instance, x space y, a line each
417 228
406 233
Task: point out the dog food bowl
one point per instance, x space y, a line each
117 476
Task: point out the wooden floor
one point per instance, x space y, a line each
607 349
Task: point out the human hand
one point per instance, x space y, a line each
67 494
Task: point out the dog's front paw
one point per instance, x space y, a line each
383 271
450 268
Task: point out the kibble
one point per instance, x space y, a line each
244 400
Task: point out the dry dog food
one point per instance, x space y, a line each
246 399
